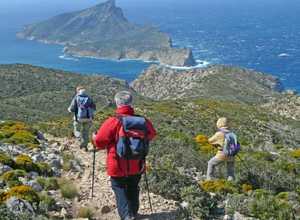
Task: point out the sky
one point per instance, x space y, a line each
36 9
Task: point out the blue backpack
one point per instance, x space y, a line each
85 108
132 142
231 145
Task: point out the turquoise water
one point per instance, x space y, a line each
261 35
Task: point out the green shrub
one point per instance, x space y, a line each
48 183
278 176
263 156
200 205
67 158
47 203
261 204
283 196
6 214
41 181
44 169
86 212
68 189
288 166
267 207
167 183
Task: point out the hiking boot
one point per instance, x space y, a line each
135 216
230 178
83 146
77 134
129 218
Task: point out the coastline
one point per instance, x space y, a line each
183 58
199 63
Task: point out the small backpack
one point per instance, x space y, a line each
85 108
132 142
231 145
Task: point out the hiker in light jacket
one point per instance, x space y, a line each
218 140
125 174
83 108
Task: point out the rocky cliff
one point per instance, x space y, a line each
103 32
214 82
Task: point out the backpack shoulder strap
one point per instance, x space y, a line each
120 125
119 117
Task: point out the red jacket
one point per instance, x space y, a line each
106 138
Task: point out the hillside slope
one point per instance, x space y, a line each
287 105
34 93
268 162
214 82
267 169
103 31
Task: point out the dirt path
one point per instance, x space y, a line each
104 200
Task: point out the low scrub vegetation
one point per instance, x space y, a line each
68 189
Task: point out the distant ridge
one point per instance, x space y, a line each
214 82
103 31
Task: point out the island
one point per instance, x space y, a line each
104 32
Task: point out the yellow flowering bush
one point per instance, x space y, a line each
218 186
23 192
203 145
24 162
18 133
295 153
247 188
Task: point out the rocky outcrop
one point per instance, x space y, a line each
218 82
103 32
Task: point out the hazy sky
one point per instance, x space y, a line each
27 11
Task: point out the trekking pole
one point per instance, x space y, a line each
93 177
147 186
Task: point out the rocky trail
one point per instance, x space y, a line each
104 201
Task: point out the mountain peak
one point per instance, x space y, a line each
109 3
106 6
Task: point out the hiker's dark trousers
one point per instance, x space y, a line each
127 191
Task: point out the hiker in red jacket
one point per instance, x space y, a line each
125 173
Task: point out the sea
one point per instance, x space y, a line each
262 35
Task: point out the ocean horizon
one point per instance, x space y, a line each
232 33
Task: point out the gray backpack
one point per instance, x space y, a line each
85 108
